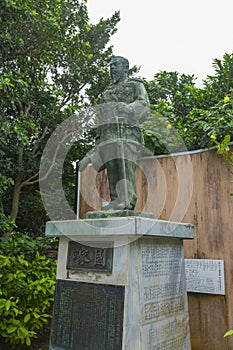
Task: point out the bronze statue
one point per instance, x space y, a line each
124 105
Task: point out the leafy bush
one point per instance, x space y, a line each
27 283
198 116
159 135
223 148
164 130
200 125
19 243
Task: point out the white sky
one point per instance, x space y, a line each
171 35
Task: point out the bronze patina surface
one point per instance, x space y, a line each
124 105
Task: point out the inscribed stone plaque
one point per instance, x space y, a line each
90 256
205 276
87 316
163 282
168 334
163 294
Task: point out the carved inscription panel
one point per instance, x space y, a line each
163 295
163 282
205 276
172 334
87 316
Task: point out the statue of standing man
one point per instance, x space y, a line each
124 105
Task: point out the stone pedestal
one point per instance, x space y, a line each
120 285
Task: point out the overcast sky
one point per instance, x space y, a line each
171 35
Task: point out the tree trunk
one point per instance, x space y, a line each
16 196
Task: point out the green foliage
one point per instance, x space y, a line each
52 62
198 115
228 333
19 243
6 222
223 148
221 83
27 282
175 99
158 132
177 90
201 124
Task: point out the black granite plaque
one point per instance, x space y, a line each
92 256
87 316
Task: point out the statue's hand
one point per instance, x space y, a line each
84 163
124 110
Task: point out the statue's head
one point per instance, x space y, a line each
119 67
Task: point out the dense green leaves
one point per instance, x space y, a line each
188 117
53 62
221 83
223 148
27 282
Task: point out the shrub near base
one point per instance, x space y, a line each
26 294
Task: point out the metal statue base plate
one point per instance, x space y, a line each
88 257
117 214
138 303
87 316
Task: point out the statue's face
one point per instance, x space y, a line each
117 70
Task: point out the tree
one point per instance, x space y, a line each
221 83
52 62
184 112
178 90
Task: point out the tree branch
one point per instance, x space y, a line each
29 180
55 156
67 98
36 146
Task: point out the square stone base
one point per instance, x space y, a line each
139 302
